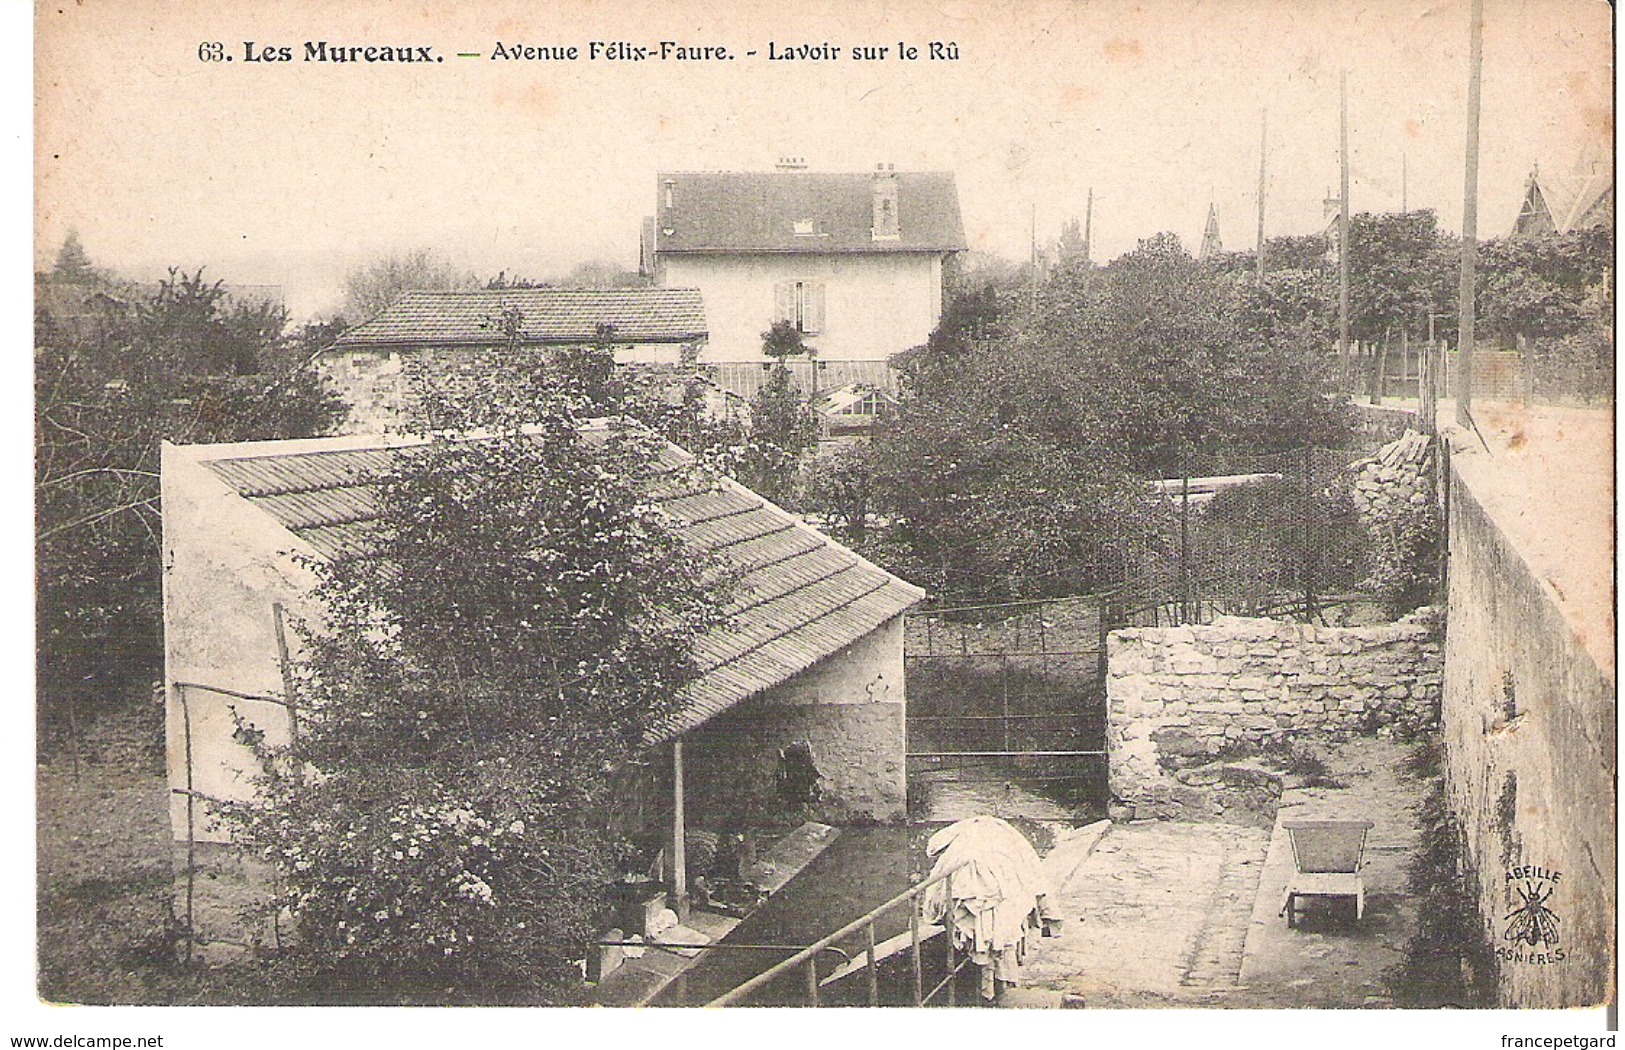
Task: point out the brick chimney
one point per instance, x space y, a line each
886 222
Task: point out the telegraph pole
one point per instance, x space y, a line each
1088 225
1343 236
1263 146
1032 288
1469 223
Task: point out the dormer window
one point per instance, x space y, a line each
805 228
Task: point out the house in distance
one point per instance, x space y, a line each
382 366
853 260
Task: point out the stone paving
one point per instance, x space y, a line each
1156 911
1178 914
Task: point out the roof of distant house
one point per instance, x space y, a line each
799 211
800 596
549 317
1564 203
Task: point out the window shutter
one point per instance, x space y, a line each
784 301
812 321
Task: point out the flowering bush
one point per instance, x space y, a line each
440 826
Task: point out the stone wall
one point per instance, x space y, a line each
1530 760
1394 479
1184 702
383 388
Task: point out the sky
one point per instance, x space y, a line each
294 172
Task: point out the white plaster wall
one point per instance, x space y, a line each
875 304
225 564
849 708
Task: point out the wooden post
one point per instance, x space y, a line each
1469 223
1263 149
914 939
279 618
812 979
1343 235
679 861
948 938
1185 546
869 957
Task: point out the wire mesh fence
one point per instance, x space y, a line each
1259 534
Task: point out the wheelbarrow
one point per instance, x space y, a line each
1328 857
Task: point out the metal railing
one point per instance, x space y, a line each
807 958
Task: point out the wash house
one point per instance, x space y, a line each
809 672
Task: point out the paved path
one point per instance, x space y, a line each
1158 911
1166 914
1331 962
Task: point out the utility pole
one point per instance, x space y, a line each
1032 287
1263 147
1343 235
1469 222
1088 225
1404 178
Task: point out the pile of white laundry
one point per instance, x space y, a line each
995 898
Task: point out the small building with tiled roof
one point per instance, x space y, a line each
810 665
440 339
853 260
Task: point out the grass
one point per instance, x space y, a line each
107 932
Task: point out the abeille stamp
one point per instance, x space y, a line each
1532 925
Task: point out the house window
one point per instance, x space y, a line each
801 303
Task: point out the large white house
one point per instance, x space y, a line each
854 261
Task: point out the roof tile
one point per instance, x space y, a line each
800 596
760 211
552 317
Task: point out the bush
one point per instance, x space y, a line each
476 694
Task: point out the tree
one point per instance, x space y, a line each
1401 268
598 273
182 367
369 289
1017 465
782 429
73 263
840 486
783 341
442 825
1538 288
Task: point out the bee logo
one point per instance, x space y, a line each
1532 922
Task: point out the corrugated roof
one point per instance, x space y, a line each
800 596
552 317
762 211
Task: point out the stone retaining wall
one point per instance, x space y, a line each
1530 733
1186 706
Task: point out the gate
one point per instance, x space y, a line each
1007 709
